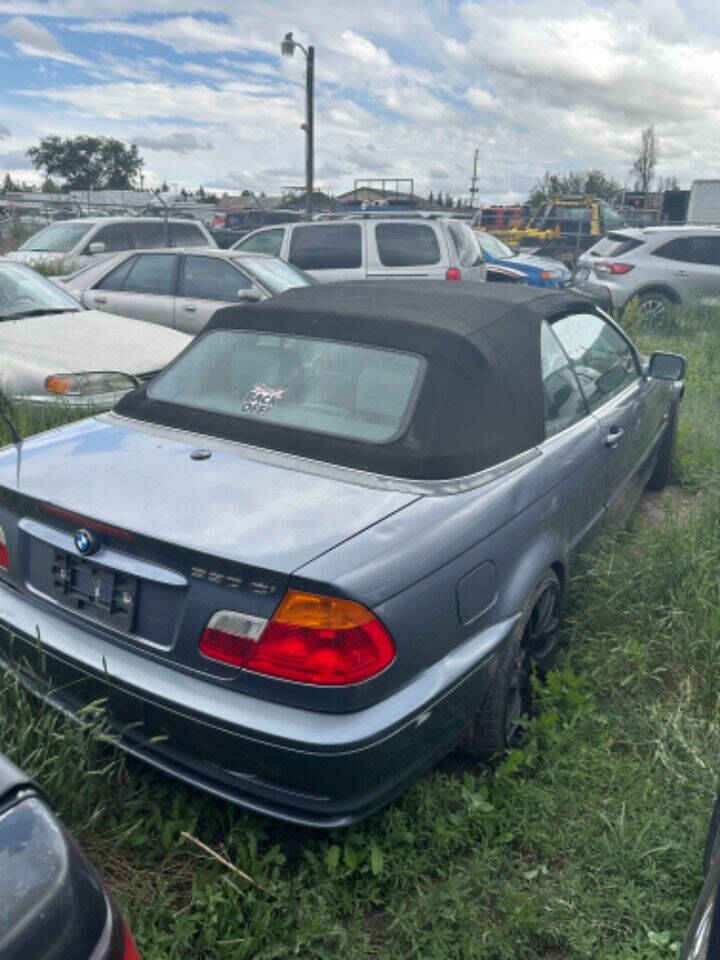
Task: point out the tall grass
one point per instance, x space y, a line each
584 842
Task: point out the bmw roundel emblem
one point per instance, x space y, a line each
85 542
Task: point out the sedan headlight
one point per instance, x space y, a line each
88 384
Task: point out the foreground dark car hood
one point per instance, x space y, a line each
144 480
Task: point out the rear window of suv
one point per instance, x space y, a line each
406 244
339 389
615 245
327 246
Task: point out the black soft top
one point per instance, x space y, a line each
481 400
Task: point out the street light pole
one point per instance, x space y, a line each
287 48
309 131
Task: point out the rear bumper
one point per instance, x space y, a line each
309 768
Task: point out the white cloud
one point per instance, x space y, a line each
174 142
34 40
186 34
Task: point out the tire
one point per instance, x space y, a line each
653 303
535 637
712 844
660 476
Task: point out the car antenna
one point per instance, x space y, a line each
14 433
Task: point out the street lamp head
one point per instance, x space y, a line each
287 47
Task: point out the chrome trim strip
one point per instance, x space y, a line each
291 461
105 557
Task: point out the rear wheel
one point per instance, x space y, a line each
661 472
653 303
535 638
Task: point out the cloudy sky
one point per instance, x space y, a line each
405 88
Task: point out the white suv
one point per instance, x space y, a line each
363 246
659 265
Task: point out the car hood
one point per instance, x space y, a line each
85 341
233 505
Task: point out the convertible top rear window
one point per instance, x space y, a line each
421 379
339 389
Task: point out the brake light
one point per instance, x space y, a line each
130 951
618 269
309 639
4 555
453 274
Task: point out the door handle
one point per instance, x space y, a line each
613 436
682 273
100 299
190 308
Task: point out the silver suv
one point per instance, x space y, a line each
363 246
74 244
659 265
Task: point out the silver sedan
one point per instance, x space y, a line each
181 288
52 349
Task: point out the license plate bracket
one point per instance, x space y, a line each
102 593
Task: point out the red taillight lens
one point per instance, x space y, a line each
618 269
4 554
130 951
310 639
453 274
231 637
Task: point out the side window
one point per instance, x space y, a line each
564 402
269 241
186 235
210 278
602 358
679 249
706 250
147 234
114 236
406 244
153 273
327 246
115 279
467 244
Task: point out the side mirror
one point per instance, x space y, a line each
667 366
97 247
251 295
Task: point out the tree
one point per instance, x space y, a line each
643 166
88 163
588 183
49 186
431 198
458 204
439 201
668 183
164 188
9 185
201 193
448 201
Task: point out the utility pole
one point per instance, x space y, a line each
473 181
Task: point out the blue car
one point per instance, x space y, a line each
326 544
539 271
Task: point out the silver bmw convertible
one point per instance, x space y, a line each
327 543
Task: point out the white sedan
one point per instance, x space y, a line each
52 348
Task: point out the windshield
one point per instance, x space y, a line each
340 389
24 293
276 275
494 247
58 238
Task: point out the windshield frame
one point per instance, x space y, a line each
81 229
494 241
258 267
19 274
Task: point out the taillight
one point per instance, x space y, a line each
309 639
130 951
4 554
618 269
453 273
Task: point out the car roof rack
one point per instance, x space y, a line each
382 215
